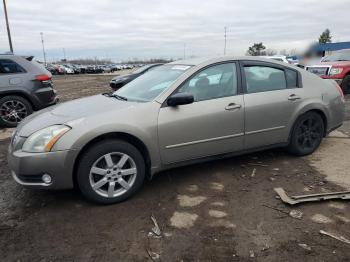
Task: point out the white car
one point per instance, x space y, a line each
280 58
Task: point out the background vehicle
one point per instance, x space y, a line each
182 112
25 86
280 58
335 66
119 81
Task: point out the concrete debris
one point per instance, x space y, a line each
296 214
251 253
154 256
305 246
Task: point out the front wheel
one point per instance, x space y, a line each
110 172
307 134
13 109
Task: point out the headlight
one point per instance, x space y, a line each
44 139
335 71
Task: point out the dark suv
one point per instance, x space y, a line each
25 86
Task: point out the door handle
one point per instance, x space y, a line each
293 97
232 106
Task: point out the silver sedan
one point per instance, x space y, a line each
179 113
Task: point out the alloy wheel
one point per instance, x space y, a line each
113 174
13 111
309 133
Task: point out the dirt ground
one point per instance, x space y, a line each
223 210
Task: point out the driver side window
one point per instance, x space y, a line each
213 82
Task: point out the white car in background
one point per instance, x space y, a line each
280 58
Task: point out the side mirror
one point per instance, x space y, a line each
180 99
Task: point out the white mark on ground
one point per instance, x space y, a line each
192 188
321 219
337 205
217 186
343 219
217 213
187 201
222 223
183 219
218 204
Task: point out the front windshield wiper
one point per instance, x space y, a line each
115 96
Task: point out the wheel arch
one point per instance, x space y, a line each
20 94
316 110
133 140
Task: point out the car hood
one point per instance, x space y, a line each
68 112
335 63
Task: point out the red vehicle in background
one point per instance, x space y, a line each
335 66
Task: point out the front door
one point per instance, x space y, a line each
213 124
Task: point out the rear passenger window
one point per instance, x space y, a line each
264 78
8 66
292 78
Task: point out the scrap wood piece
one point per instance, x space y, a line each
293 200
337 237
155 229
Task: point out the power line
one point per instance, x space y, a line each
8 27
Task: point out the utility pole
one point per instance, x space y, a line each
42 42
8 27
225 42
64 54
184 51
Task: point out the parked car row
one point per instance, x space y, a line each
61 69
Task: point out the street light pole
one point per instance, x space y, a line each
225 42
8 27
42 42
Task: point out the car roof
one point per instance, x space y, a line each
209 60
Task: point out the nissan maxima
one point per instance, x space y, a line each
179 113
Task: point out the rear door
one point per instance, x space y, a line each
272 94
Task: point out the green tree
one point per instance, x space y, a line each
325 37
256 50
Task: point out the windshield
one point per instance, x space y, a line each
149 85
339 56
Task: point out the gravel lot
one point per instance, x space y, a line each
223 210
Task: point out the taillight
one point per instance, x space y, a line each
42 77
339 89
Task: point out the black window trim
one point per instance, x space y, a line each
244 63
17 64
238 73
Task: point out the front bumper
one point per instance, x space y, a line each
27 169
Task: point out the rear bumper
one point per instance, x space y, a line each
27 169
44 97
338 80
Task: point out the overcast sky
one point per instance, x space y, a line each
123 29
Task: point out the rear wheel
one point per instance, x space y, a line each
345 85
110 171
307 134
13 109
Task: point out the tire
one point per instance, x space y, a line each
13 109
94 170
307 134
345 85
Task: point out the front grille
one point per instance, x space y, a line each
31 178
320 71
